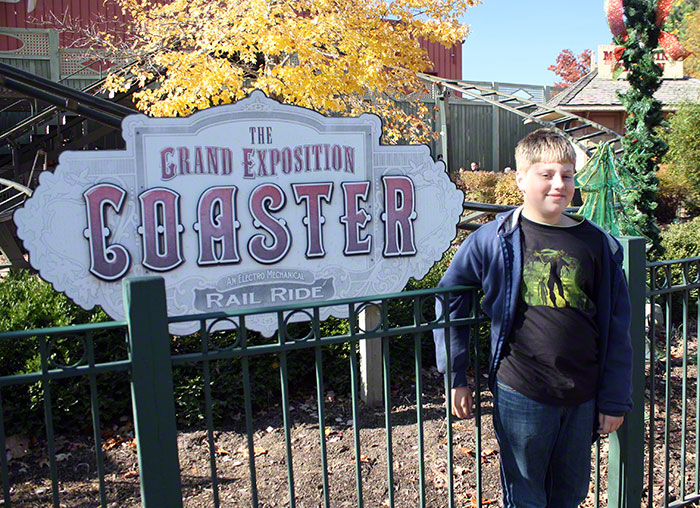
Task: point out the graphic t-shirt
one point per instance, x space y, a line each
552 353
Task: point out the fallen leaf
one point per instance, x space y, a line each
257 452
488 451
220 451
62 456
365 459
466 451
484 502
131 474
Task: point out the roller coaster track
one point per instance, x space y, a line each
579 130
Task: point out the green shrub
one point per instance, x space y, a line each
671 196
682 240
683 156
27 302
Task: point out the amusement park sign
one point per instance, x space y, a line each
249 205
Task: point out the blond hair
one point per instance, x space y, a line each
543 145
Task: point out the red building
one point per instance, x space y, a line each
25 35
595 95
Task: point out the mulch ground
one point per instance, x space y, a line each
30 484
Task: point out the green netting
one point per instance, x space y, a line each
603 181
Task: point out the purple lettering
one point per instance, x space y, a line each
355 218
107 262
217 226
398 216
264 199
313 193
226 161
262 170
184 154
167 168
160 229
248 162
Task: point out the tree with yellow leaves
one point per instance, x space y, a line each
691 42
333 56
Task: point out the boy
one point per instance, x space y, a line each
560 346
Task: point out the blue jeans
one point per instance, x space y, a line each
545 450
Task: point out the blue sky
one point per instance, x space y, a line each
514 41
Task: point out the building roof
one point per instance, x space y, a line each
594 93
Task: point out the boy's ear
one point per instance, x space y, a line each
519 177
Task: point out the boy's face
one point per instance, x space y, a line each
548 188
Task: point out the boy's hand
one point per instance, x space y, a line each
462 402
608 424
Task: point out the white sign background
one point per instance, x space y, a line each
53 222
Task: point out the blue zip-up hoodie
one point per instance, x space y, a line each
491 258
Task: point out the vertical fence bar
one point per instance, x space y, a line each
652 392
3 460
208 412
48 417
95 408
684 402
418 357
596 492
354 388
286 417
667 391
386 369
247 402
152 392
448 401
626 453
697 393
321 405
474 339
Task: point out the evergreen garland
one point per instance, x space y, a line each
642 147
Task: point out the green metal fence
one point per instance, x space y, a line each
150 367
673 404
53 368
150 364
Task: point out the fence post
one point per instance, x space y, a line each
152 392
495 134
442 102
626 456
371 391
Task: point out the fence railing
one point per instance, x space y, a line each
150 363
673 404
52 367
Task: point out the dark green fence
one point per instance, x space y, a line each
150 364
673 405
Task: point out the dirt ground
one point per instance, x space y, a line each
30 483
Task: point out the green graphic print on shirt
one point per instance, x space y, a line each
553 279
